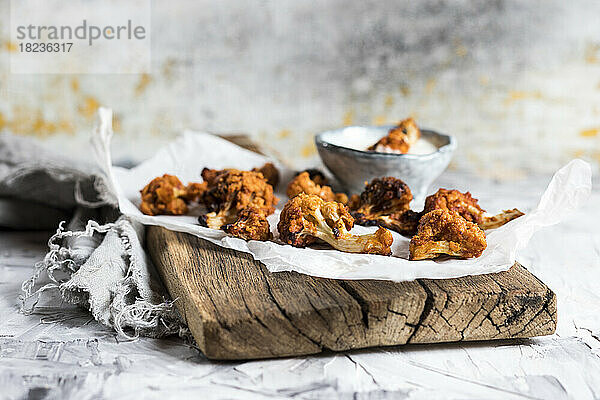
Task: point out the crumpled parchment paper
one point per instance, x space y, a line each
188 154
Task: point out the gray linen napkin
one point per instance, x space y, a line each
98 262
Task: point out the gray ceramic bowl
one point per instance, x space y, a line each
354 167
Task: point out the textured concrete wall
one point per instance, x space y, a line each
518 82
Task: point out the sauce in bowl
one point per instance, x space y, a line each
360 138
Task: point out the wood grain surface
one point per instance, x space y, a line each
237 309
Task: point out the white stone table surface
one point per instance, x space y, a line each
62 352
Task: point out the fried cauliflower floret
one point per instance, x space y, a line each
195 191
385 202
164 195
353 202
405 223
496 221
307 218
399 138
383 196
303 184
210 175
446 232
315 175
251 224
270 172
232 191
467 207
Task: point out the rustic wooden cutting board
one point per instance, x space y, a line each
237 309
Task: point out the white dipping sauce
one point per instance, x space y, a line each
360 138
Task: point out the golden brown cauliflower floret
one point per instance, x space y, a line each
307 218
232 191
467 207
385 202
446 232
210 175
399 138
251 224
195 191
383 196
164 195
315 175
405 223
270 172
302 183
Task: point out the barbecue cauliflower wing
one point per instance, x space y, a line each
195 191
303 183
446 232
385 202
383 196
399 138
270 172
405 223
251 224
307 218
232 191
466 205
164 195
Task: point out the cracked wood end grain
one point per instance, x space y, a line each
237 309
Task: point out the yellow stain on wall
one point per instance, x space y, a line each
578 153
430 85
11 47
308 150
32 122
484 80
591 53
389 101
516 95
75 85
142 84
379 120
284 133
589 132
348 118
405 90
168 68
89 107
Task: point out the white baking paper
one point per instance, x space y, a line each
191 152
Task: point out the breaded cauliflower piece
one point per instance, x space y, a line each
195 191
467 207
164 195
383 196
210 175
405 223
302 183
251 224
270 172
232 191
399 138
306 218
446 232
386 202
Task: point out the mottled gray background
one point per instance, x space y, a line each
518 82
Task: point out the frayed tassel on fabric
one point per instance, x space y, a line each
106 270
